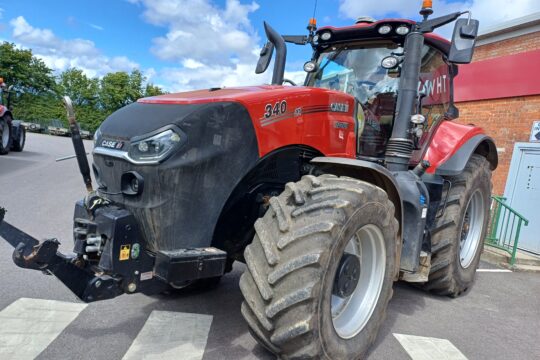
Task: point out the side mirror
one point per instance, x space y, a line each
463 41
265 58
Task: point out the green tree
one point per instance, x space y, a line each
27 73
152 90
82 90
119 89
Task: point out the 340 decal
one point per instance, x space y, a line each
279 108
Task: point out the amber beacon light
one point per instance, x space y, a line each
427 8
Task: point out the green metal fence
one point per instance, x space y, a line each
504 227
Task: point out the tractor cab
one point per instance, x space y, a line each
365 61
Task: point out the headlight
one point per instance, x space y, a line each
155 148
326 35
402 30
385 29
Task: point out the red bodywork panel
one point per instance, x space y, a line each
448 138
308 118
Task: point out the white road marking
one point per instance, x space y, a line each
171 335
494 270
426 348
28 326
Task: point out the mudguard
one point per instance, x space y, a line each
452 146
482 144
372 173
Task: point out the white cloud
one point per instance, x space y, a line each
60 54
212 45
489 12
97 27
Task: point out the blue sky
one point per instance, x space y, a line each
189 44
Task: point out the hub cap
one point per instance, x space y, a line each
358 282
471 229
5 134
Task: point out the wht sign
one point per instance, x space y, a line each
535 132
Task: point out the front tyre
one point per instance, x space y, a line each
457 239
320 269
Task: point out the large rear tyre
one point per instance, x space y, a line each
18 143
5 134
458 236
320 269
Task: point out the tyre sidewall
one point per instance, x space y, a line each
5 124
481 182
370 213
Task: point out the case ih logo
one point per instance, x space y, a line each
339 107
111 144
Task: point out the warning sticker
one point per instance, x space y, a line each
124 252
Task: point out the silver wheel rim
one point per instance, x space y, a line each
350 315
5 134
21 140
471 229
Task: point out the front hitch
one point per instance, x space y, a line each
29 253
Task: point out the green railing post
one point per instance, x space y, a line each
502 241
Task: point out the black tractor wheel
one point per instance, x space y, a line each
320 269
5 134
458 236
19 141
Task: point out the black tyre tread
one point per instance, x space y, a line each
443 241
4 120
16 144
288 254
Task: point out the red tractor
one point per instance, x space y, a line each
328 192
12 132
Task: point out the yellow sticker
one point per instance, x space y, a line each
124 252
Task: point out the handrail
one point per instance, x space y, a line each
498 231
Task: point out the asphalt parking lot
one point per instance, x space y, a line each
498 319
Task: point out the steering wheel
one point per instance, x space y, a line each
290 82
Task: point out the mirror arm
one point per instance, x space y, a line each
432 24
296 39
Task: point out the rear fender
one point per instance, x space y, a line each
478 144
452 146
372 173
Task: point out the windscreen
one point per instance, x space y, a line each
357 71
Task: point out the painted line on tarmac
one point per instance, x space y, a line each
426 348
494 270
171 335
28 326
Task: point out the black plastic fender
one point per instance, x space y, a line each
372 173
478 144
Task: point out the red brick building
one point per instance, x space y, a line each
500 90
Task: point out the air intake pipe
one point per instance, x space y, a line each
400 145
281 54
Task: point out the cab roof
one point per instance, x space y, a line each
369 31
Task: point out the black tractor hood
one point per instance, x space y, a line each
139 119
